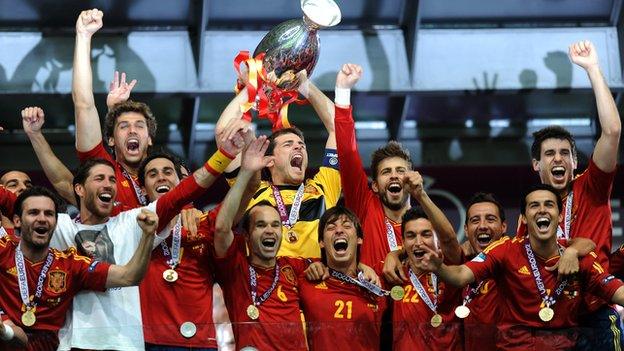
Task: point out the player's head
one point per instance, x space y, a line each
15 181
95 187
485 221
264 230
290 156
35 215
388 166
554 156
130 128
540 210
417 232
159 172
340 236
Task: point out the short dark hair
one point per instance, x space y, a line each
36 191
412 214
391 149
277 133
538 187
129 106
551 132
83 171
485 197
246 221
331 215
159 154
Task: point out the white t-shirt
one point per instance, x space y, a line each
109 320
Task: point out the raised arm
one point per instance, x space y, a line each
443 228
253 160
230 121
133 272
605 154
61 178
432 261
119 90
322 105
88 129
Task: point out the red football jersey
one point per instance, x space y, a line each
506 262
616 262
69 274
166 306
591 210
358 196
480 327
126 194
279 326
411 318
341 315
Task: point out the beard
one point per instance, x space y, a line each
90 205
394 206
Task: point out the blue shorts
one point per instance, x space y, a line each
600 330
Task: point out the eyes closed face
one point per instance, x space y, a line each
418 234
160 177
130 138
541 214
265 237
484 225
340 241
291 159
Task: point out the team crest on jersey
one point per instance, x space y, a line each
57 281
524 270
480 257
289 274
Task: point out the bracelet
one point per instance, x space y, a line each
342 96
8 333
218 162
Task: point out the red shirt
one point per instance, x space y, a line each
126 194
165 306
480 325
358 196
279 326
506 262
616 261
591 210
411 318
341 316
69 274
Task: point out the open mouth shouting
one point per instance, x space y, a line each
558 173
394 188
162 189
106 197
132 145
341 245
269 242
542 223
484 239
296 161
41 230
419 253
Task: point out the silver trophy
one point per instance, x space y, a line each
293 46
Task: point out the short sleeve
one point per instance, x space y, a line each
99 151
487 263
88 274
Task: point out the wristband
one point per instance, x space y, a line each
343 96
218 162
8 333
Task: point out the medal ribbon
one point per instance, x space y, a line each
137 188
3 232
288 220
360 281
471 292
548 300
433 305
23 280
565 233
253 283
173 256
392 242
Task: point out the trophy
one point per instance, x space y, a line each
289 48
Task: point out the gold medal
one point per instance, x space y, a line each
29 318
170 275
462 311
436 320
546 314
253 312
292 236
397 292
